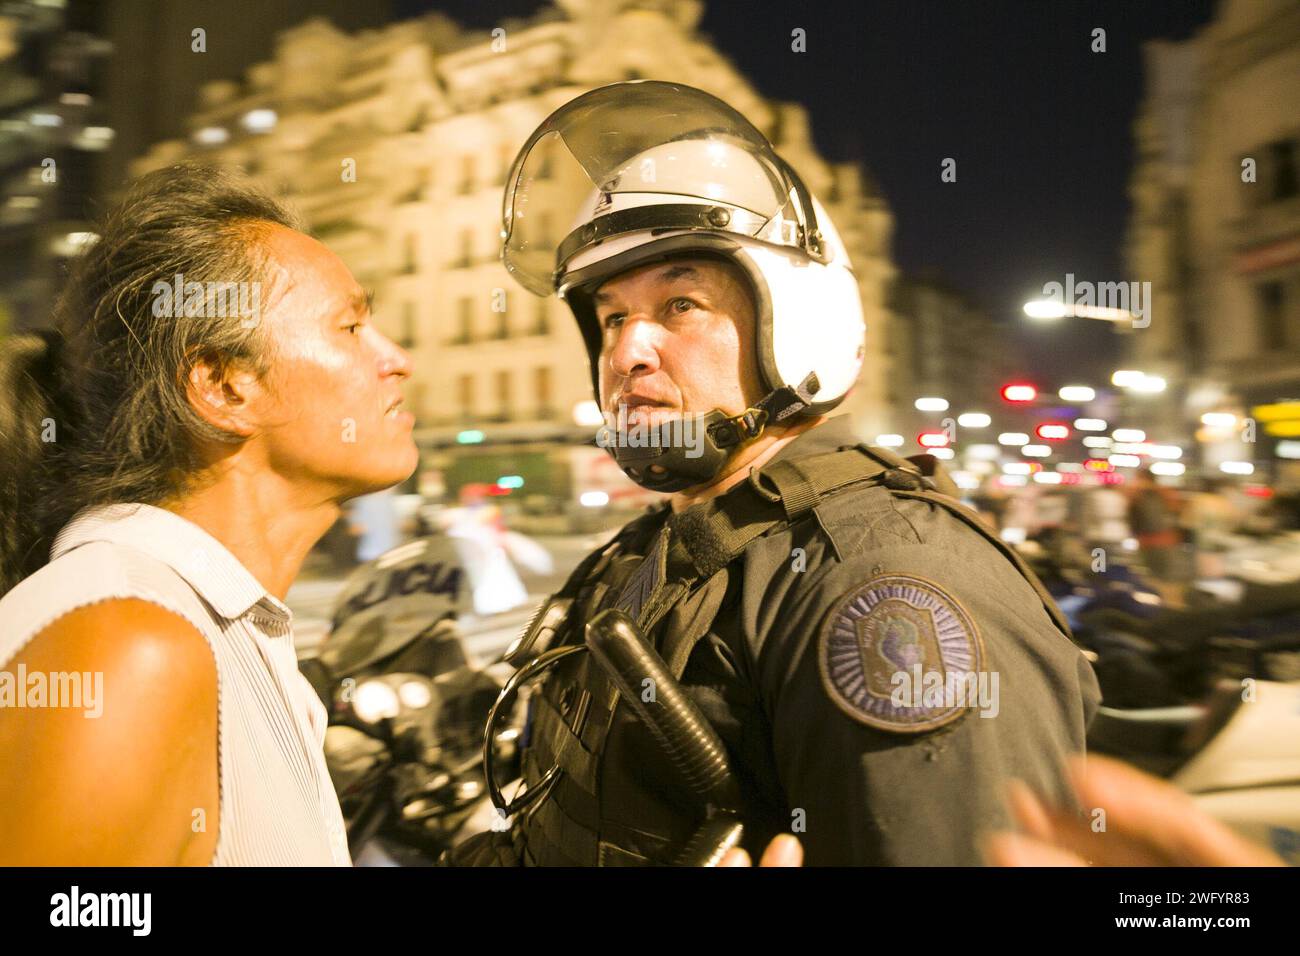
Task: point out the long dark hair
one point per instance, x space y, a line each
95 411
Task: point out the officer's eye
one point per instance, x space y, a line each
680 305
614 320
352 329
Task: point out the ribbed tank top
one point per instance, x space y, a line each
277 803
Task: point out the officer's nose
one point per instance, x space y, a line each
636 351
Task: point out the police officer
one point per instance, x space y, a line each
875 662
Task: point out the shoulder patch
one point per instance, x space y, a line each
900 654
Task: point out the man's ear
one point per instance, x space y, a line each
220 391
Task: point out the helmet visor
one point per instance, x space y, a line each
682 151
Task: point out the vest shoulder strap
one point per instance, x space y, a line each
973 520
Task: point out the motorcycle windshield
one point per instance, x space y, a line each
668 144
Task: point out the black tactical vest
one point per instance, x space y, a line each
612 802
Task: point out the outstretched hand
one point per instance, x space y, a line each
784 850
1148 822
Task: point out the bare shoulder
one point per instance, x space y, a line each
131 633
126 717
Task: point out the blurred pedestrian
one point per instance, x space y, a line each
1153 518
1209 519
375 523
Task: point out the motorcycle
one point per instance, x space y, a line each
1207 697
406 708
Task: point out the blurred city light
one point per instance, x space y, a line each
1127 378
1013 438
1090 424
943 454
974 420
1019 392
931 404
1096 441
1219 419
1052 431
586 414
1036 451
1077 393
211 135
1169 469
593 499
890 441
470 436
1125 461
1237 468
1149 385
933 439
1047 310
1129 435
260 120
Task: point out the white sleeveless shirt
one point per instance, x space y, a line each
277 804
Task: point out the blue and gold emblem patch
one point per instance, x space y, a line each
896 654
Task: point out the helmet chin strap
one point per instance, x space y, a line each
693 450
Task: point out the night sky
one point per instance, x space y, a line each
1040 127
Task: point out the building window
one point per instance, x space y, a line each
506 156
465 321
466 183
542 392
410 253
1282 169
465 395
415 401
503 394
1270 299
407 339
502 330
542 324
466 257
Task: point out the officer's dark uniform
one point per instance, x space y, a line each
787 606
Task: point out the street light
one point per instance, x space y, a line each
1049 310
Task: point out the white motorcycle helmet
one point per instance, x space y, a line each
646 171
